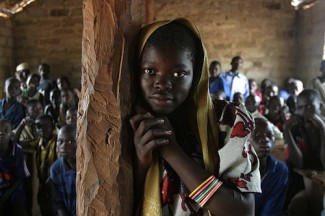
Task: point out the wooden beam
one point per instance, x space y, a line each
104 159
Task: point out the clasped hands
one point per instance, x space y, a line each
150 133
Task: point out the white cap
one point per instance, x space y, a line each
22 66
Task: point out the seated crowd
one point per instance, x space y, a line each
294 117
38 127
38 118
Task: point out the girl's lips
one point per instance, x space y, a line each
161 97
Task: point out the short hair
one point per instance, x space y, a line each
32 75
265 121
48 118
72 109
235 58
311 95
214 63
66 79
69 128
45 67
11 80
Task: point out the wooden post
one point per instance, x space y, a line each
104 160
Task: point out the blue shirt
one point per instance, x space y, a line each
12 168
64 181
274 185
14 114
230 83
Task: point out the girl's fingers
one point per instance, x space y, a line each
148 124
150 146
154 134
137 119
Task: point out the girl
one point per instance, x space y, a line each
185 163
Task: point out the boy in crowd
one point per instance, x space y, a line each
252 105
26 135
214 70
53 108
233 81
238 98
63 173
13 171
46 84
71 115
305 136
274 173
10 108
45 156
277 112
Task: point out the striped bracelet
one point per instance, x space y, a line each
205 190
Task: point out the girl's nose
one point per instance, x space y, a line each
163 83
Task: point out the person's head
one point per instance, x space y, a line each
295 87
45 126
238 98
251 103
236 63
44 70
55 97
322 67
12 88
66 142
252 86
22 72
272 90
214 69
308 102
33 81
264 84
67 97
71 115
291 103
262 138
5 135
219 95
63 83
34 108
170 67
275 105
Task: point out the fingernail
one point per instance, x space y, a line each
161 120
169 132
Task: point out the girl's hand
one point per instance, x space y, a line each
148 134
167 150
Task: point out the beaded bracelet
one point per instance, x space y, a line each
205 190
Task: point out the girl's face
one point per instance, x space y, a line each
166 77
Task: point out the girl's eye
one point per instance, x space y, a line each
150 71
179 74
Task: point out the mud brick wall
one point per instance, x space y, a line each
6 50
